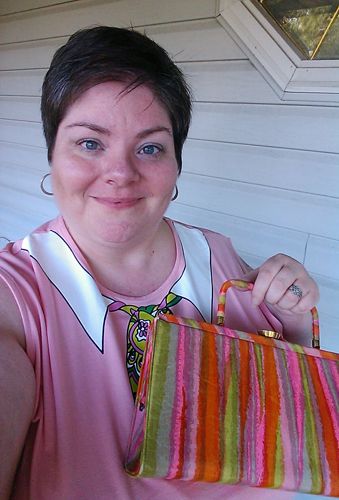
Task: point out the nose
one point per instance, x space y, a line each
120 169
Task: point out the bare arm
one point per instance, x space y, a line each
17 390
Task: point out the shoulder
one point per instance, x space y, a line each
18 286
224 258
11 322
15 252
216 240
183 226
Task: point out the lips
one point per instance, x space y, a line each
117 203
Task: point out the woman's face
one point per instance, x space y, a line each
113 165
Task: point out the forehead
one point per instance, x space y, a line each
114 98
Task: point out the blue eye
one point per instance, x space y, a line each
150 149
90 145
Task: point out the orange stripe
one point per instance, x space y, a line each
328 435
200 456
212 444
208 454
272 411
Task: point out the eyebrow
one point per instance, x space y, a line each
105 131
153 130
91 126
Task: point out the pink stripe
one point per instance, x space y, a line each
193 396
299 405
227 360
334 372
178 408
328 396
334 417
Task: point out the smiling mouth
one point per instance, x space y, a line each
117 203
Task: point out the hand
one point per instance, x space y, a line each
272 282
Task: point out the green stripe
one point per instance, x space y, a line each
155 398
230 472
279 465
260 370
192 323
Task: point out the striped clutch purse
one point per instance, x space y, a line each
220 405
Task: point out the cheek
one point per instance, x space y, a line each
163 188
69 176
173 177
165 179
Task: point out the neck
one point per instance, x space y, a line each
132 268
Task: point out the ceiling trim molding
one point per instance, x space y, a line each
293 78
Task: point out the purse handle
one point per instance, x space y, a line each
247 286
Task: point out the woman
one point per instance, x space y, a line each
78 294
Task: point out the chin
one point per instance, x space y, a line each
120 234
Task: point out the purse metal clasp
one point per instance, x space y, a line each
270 334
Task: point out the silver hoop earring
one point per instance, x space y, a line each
176 192
49 193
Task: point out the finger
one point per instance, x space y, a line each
303 305
301 296
291 296
309 298
278 273
261 285
279 288
265 276
259 289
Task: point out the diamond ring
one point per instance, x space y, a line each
296 290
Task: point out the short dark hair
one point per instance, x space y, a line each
103 53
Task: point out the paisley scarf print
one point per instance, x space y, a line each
140 319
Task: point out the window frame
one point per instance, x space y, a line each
293 78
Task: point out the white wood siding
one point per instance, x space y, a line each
260 170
